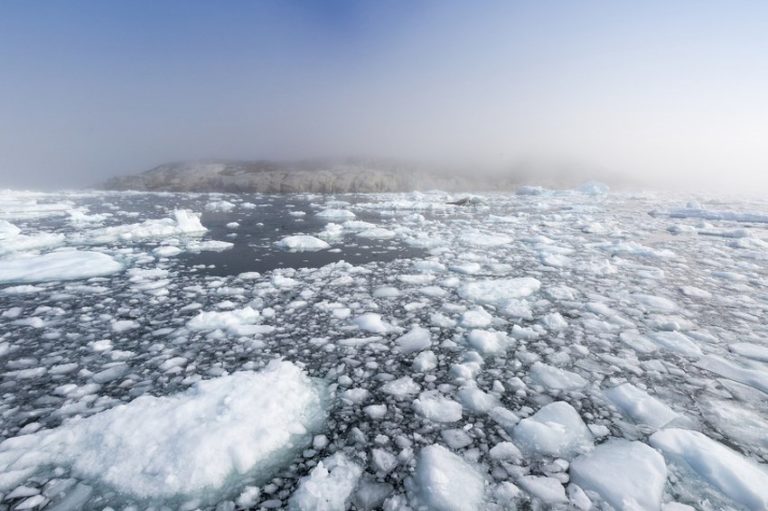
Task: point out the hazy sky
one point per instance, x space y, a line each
672 89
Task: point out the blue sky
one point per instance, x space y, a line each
96 88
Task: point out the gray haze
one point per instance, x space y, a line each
653 94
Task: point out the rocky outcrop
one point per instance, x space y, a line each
312 176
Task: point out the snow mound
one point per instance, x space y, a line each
445 482
555 430
736 476
64 265
328 487
193 443
302 244
627 475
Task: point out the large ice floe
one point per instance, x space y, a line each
552 349
61 265
187 444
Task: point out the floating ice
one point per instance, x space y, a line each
627 475
555 430
238 322
738 477
696 211
487 342
328 487
302 244
372 322
445 482
756 378
377 233
478 239
436 407
62 265
417 339
183 222
547 489
556 378
641 406
499 291
194 443
335 215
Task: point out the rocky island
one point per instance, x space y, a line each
307 176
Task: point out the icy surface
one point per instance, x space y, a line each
446 482
539 348
184 444
63 265
627 475
555 430
328 487
741 479
302 244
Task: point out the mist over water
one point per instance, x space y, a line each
649 95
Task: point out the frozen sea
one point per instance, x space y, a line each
571 349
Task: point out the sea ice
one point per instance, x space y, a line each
628 475
555 430
244 423
445 482
738 477
328 487
641 406
417 339
302 244
61 265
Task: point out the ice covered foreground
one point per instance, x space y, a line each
247 422
572 349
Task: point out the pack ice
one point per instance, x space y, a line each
580 349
